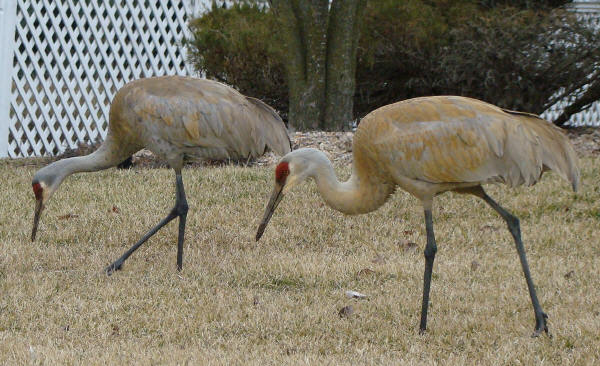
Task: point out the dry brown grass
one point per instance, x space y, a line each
276 302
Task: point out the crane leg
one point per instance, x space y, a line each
514 228
430 251
179 210
181 206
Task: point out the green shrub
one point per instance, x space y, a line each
238 46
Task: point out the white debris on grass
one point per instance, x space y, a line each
355 295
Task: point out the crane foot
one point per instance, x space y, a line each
116 266
541 325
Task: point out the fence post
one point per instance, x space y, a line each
8 18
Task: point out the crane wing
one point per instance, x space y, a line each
208 119
274 132
455 139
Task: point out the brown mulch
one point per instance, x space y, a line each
337 145
586 140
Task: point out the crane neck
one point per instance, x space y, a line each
98 160
361 193
104 157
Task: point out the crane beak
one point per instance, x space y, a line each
276 197
39 206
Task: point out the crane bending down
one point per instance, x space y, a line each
432 145
177 118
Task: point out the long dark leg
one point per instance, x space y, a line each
515 230
430 250
180 210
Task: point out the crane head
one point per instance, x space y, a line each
281 174
44 184
38 191
293 169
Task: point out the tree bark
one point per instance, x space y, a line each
304 24
343 36
320 59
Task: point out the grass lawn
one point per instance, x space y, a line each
277 301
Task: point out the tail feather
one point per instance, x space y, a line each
556 151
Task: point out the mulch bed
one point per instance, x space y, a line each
337 145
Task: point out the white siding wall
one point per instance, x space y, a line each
8 9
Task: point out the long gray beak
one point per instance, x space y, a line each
276 197
39 206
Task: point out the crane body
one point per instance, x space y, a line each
430 145
178 119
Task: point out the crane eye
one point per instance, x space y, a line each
37 190
282 171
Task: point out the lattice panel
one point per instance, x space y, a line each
588 117
72 56
590 12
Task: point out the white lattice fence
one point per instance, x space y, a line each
70 57
589 11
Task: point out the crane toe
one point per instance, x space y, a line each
116 266
541 325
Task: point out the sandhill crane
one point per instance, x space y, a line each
177 118
432 145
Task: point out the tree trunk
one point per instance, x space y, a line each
320 59
304 25
342 45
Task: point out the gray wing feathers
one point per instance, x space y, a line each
274 130
230 126
245 129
